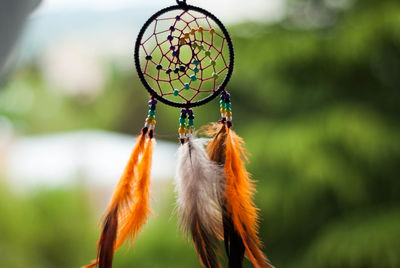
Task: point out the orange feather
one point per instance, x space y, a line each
239 194
140 210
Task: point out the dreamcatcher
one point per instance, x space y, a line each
184 58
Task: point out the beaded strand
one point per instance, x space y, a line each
225 107
186 128
151 118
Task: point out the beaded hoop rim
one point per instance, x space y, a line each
153 93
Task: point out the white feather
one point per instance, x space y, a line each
199 186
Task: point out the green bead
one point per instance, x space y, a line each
190 122
193 77
182 125
212 62
186 86
194 45
196 70
208 53
176 92
152 117
228 110
152 112
182 121
215 75
196 62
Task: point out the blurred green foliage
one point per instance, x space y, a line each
317 98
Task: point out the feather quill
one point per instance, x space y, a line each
199 188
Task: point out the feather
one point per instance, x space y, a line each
140 210
199 188
130 200
239 193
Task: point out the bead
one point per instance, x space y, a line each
200 29
152 112
148 120
221 102
227 95
183 116
175 54
149 57
212 62
196 70
228 105
152 117
172 28
168 71
192 32
178 17
222 110
181 130
182 120
215 75
176 70
152 107
170 37
201 47
190 122
152 101
186 86
176 92
159 67
193 77
147 125
153 122
190 112
182 41
196 62
182 68
172 47
228 114
208 53
212 31
183 111
186 35
191 117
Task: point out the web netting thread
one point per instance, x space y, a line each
168 68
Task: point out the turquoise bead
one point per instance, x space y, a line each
176 92
193 77
196 70
152 112
191 122
221 102
196 62
186 86
182 121
228 105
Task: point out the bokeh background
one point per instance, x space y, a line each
315 93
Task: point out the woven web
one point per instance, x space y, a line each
184 56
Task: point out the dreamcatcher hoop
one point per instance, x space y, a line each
181 5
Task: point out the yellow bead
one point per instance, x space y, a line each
222 111
193 31
148 120
228 114
200 29
186 35
182 41
181 130
212 31
153 122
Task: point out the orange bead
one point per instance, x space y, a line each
181 130
200 29
193 31
228 114
182 41
212 31
153 122
186 35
